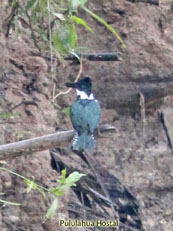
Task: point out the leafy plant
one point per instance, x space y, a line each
56 21
9 203
63 184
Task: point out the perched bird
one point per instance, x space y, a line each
84 114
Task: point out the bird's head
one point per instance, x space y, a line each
82 86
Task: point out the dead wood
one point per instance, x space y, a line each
112 56
98 195
166 130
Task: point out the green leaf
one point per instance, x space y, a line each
30 185
51 211
63 176
82 22
65 183
74 4
59 16
73 178
13 3
104 23
64 38
42 5
58 191
73 35
9 203
67 109
31 4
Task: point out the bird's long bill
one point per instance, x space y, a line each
72 85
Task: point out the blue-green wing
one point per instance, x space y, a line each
76 115
93 115
85 115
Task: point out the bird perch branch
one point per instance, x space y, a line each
41 143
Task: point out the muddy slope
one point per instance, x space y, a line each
138 153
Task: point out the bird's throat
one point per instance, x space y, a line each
83 95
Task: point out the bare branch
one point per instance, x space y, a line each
109 56
166 130
32 32
78 76
37 144
153 2
11 17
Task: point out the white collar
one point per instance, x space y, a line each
83 95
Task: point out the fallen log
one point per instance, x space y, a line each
41 143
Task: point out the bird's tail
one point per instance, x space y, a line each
83 141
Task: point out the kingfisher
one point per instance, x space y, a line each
84 115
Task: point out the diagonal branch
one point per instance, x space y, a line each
11 18
41 143
32 32
77 77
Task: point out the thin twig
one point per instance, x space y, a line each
143 117
29 102
77 77
32 31
162 120
54 89
50 37
84 211
12 15
80 69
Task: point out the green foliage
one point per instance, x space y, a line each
104 23
66 183
65 37
37 5
52 209
9 203
54 22
78 20
30 185
74 4
63 184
